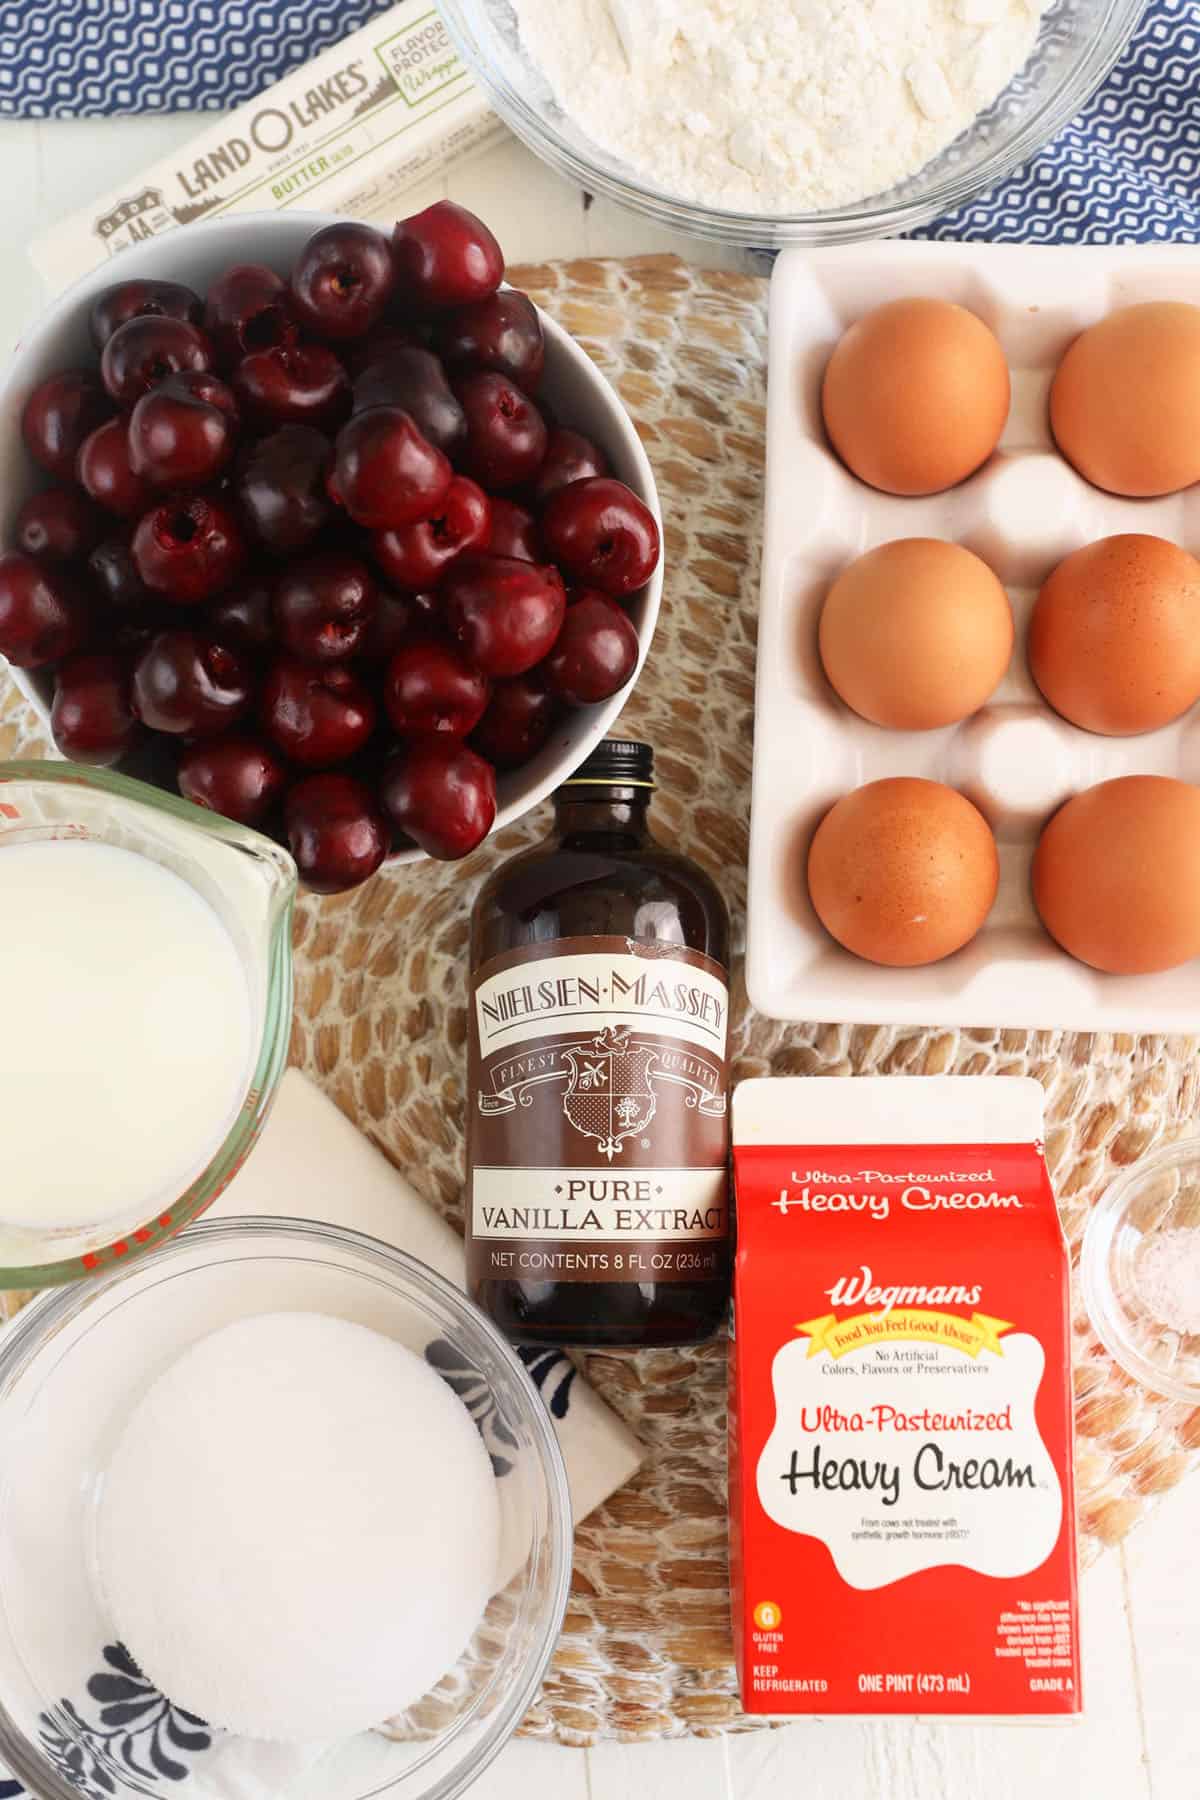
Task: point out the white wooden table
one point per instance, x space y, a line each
1140 1739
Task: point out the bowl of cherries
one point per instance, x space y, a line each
330 530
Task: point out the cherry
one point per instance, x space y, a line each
59 414
505 613
91 717
105 471
414 380
280 485
377 346
596 651
145 350
445 256
418 555
316 716
442 794
244 617
60 524
393 622
131 632
343 280
323 605
336 832
304 383
385 473
138 300
519 718
43 615
188 550
569 457
514 531
506 434
248 307
181 433
503 332
185 682
240 777
114 571
600 532
430 686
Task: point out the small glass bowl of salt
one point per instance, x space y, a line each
390 1466
1140 1270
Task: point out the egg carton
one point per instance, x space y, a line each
1016 759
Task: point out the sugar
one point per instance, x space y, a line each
298 1530
1168 1280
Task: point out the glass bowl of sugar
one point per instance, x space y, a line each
1140 1270
314 1483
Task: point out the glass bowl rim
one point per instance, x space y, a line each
40 1321
842 224
148 1236
1101 1302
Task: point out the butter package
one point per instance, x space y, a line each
347 133
901 1484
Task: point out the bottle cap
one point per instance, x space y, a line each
616 762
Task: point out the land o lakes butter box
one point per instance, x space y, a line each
901 1484
347 133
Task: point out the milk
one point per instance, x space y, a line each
127 1035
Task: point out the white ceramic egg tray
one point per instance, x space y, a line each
1016 759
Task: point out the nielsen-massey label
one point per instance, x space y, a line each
598 1126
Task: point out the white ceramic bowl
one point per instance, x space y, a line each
573 386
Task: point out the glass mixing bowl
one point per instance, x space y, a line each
251 885
1139 1270
1078 43
77 1718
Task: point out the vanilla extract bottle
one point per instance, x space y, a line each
597 1139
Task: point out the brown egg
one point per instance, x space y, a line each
1116 875
1125 404
1114 640
915 396
903 871
916 634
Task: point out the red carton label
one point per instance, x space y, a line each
901 1495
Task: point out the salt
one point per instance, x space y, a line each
1168 1280
298 1530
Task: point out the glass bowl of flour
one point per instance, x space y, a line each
771 122
397 1517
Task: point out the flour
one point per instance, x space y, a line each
776 105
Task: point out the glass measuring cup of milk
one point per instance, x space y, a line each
145 1010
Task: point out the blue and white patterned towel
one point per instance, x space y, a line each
66 59
1127 169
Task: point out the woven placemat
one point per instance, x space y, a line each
381 1024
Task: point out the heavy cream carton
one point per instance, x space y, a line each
347 133
901 1495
